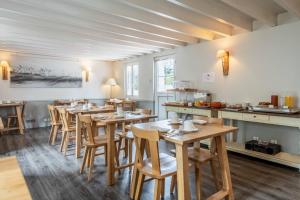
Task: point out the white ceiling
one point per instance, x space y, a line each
118 29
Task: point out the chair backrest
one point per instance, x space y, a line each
89 127
1 124
65 120
215 121
144 111
54 116
143 137
210 120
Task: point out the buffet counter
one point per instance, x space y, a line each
289 120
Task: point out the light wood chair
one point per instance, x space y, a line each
68 130
56 125
1 124
126 137
13 117
200 156
157 166
92 142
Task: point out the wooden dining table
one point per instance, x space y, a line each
18 108
110 120
79 110
181 141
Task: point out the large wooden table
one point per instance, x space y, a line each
181 142
76 111
12 183
18 108
110 123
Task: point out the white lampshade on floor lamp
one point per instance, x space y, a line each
111 82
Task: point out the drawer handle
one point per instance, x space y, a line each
254 116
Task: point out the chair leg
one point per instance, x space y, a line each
51 134
130 153
117 159
88 159
214 174
105 154
54 134
173 183
93 150
125 148
198 181
162 194
63 138
66 143
157 189
139 186
84 159
120 146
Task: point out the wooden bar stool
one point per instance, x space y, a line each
13 117
200 156
68 130
157 166
92 142
55 124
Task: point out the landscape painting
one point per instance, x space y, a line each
24 76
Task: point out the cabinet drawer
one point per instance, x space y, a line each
171 108
255 117
202 112
231 115
185 110
285 121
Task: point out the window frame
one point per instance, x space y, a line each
131 64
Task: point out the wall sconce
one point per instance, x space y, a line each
5 68
224 55
87 75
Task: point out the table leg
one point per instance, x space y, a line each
182 172
224 166
20 119
110 132
78 137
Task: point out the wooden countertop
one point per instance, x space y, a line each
12 182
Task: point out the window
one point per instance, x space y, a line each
132 80
165 73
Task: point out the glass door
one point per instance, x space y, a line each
164 72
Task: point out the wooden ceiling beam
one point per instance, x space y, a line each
121 10
292 6
172 11
218 11
256 9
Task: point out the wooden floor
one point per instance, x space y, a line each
50 175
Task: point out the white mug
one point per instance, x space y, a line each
90 105
188 125
84 107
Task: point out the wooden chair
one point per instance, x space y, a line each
1 124
92 143
127 137
13 118
157 166
55 124
200 156
68 130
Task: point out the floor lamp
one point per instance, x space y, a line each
111 82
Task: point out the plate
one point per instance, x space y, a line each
161 129
199 121
175 123
189 131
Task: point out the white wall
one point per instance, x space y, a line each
262 63
94 89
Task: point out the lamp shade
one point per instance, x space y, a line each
111 82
